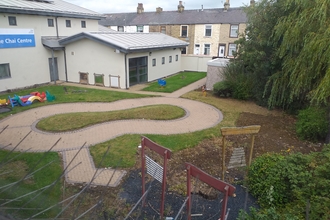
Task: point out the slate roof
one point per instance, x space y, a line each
48 8
129 42
206 16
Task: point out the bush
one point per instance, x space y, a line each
222 89
288 183
312 124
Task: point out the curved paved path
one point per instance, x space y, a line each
199 116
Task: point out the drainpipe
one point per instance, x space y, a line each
65 67
53 66
56 27
126 70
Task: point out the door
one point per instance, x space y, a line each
53 71
196 52
138 70
222 50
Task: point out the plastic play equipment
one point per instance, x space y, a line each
3 102
50 97
162 82
27 100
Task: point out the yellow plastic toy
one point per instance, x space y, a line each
3 102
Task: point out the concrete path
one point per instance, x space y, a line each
199 116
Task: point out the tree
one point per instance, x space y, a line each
304 34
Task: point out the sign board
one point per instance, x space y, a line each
15 38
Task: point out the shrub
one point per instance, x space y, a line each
222 89
312 124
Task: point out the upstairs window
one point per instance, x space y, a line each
83 24
68 23
120 28
139 28
234 30
50 22
184 50
12 21
208 30
163 29
207 48
184 31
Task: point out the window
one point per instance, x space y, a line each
139 28
232 50
4 71
163 60
234 30
184 50
208 30
153 62
207 49
12 20
120 28
83 24
163 29
68 23
170 59
176 57
50 22
184 31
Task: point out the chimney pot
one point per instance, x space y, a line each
226 5
159 9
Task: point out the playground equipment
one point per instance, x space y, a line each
27 100
162 82
3 102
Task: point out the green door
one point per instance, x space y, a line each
138 70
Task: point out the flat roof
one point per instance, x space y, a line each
129 42
57 8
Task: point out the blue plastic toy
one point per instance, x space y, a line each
162 82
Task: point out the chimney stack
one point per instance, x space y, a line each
226 5
159 10
140 8
180 7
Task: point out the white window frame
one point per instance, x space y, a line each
181 31
197 46
208 27
230 49
209 49
163 29
5 71
233 30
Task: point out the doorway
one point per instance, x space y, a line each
222 49
53 71
138 70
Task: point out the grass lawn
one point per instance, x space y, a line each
73 121
75 94
176 82
18 168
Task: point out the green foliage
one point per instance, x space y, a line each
288 183
269 214
222 89
238 82
311 124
